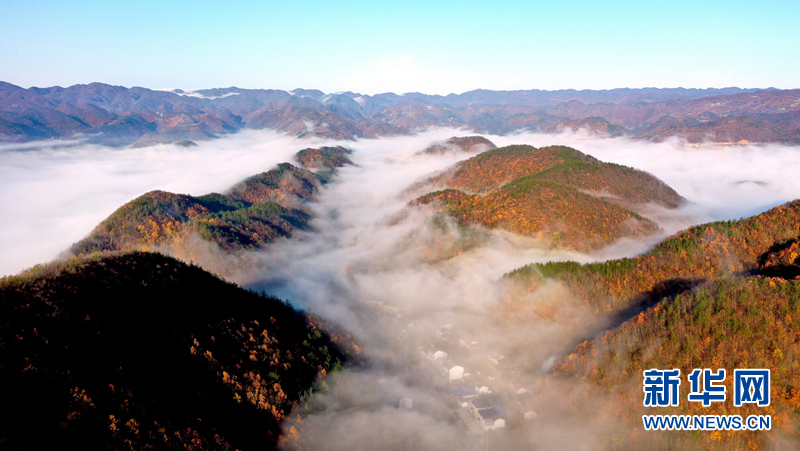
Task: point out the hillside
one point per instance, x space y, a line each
554 193
140 351
286 184
492 169
730 323
719 295
690 258
724 130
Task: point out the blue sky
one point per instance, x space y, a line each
372 47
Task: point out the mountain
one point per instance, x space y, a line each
257 210
718 295
468 144
728 130
251 214
596 125
554 193
324 157
140 351
120 116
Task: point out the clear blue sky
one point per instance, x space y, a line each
374 46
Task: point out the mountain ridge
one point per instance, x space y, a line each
165 116
554 193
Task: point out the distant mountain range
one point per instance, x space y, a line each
119 116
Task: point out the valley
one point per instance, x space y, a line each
399 226
445 321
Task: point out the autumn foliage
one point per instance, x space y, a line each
254 212
762 243
554 193
719 295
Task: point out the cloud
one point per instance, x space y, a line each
54 196
194 93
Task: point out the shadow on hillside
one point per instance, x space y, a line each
667 289
786 269
774 249
787 272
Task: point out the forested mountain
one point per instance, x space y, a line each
141 351
719 295
120 116
555 193
250 215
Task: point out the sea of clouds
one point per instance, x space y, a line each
391 275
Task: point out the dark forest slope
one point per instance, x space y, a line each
141 351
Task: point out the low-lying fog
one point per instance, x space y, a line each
399 282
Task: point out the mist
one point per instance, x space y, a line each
54 193
401 280
404 283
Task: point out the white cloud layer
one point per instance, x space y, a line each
53 197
